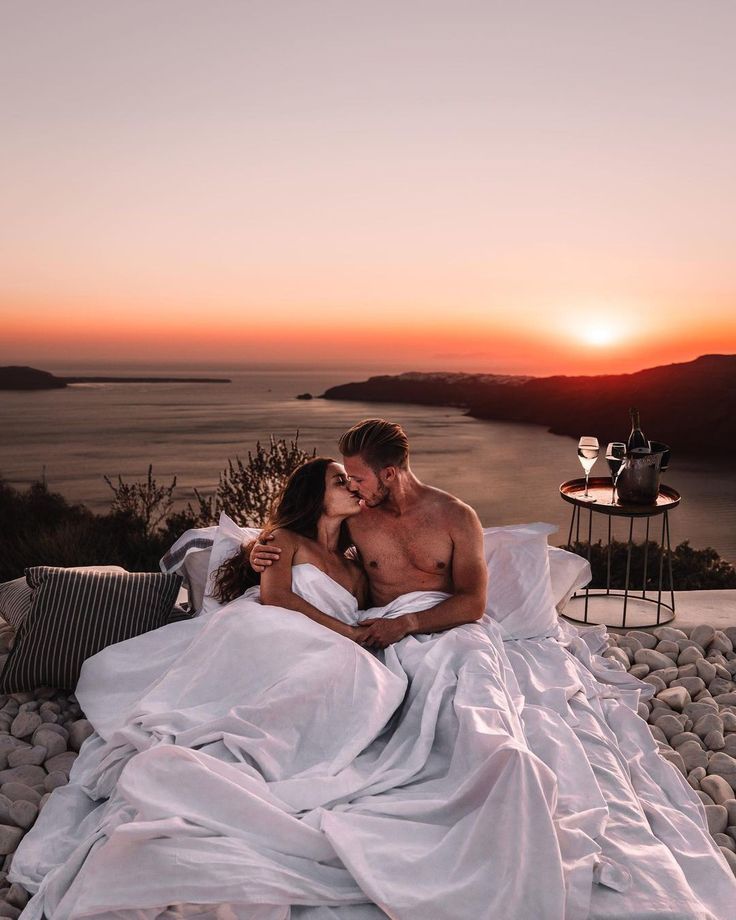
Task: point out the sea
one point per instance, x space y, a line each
510 473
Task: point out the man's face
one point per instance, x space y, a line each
363 481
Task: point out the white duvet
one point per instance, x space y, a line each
252 765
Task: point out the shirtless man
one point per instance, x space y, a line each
409 536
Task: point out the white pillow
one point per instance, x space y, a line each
229 537
189 556
520 597
568 573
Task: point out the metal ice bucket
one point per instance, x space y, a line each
638 482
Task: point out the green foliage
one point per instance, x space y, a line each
146 503
247 491
692 569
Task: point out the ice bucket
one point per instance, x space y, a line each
638 482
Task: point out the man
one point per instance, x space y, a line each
409 536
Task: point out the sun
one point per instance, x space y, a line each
599 335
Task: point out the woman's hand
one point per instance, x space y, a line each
380 633
262 555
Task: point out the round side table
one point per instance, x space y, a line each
601 490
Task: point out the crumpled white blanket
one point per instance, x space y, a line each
253 765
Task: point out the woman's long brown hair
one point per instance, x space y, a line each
298 508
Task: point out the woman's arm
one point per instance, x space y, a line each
276 588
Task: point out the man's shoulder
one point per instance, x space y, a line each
447 504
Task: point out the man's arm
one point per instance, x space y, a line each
470 580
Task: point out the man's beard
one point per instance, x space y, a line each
379 496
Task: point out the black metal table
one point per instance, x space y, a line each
601 489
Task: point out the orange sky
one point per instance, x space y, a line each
532 188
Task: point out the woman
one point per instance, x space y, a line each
308 524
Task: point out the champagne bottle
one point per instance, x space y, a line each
637 440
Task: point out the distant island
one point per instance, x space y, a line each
688 406
30 378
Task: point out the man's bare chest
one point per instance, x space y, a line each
390 544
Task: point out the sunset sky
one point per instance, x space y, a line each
533 187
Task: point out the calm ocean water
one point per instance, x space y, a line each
510 473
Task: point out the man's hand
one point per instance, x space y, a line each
381 633
262 555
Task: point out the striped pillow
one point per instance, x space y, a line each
15 601
76 614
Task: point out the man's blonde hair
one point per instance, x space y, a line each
378 442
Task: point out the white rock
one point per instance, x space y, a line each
653 659
25 724
706 670
693 685
675 697
717 818
718 789
646 639
10 837
703 634
23 813
714 741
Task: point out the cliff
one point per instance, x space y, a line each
688 406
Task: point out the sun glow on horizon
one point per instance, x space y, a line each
601 335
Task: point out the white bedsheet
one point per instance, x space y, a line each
252 765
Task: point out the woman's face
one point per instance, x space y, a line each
339 500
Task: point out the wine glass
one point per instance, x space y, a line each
615 456
588 449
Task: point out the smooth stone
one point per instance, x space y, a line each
731 831
703 695
730 631
25 724
14 791
664 712
689 655
703 634
62 762
692 754
639 671
717 818
722 669
8 911
718 789
656 682
695 776
618 655
725 841
730 859
658 734
17 896
675 697
704 797
687 670
730 744
34 755
56 779
630 642
671 649
658 704
731 808
5 803
53 743
79 731
682 644
24 813
702 707
10 837
724 765
714 741
721 642
654 659
729 720
726 699
665 674
682 737
708 723
706 670
647 640
26 773
669 634
53 727
693 685
669 726
642 711
675 759
716 687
